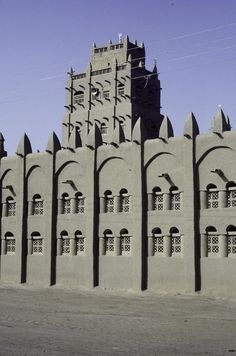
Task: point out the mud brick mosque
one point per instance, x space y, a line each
121 203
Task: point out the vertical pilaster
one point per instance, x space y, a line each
167 245
223 246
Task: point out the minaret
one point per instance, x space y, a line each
116 89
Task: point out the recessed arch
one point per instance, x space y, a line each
155 156
199 161
106 161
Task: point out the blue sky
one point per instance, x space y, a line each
194 42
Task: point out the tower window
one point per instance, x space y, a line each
65 243
103 128
106 94
79 97
121 89
176 243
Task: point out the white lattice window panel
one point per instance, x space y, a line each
80 245
125 204
175 201
65 246
80 205
11 209
125 245
38 207
158 202
109 205
158 245
37 246
109 245
212 244
231 245
10 246
212 199
231 198
176 244
66 206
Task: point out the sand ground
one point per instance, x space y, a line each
55 321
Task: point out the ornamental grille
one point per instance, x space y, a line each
80 245
10 246
124 204
106 94
175 201
38 207
109 205
212 200
158 245
231 198
212 244
80 205
232 245
158 202
109 244
66 206
37 246
11 209
125 245
176 244
65 246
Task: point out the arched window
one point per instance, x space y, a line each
176 243
10 207
175 203
212 241
212 197
124 201
109 242
231 240
109 202
10 244
80 203
37 243
79 243
158 241
231 194
157 199
37 208
66 208
103 128
79 97
121 89
125 242
65 243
